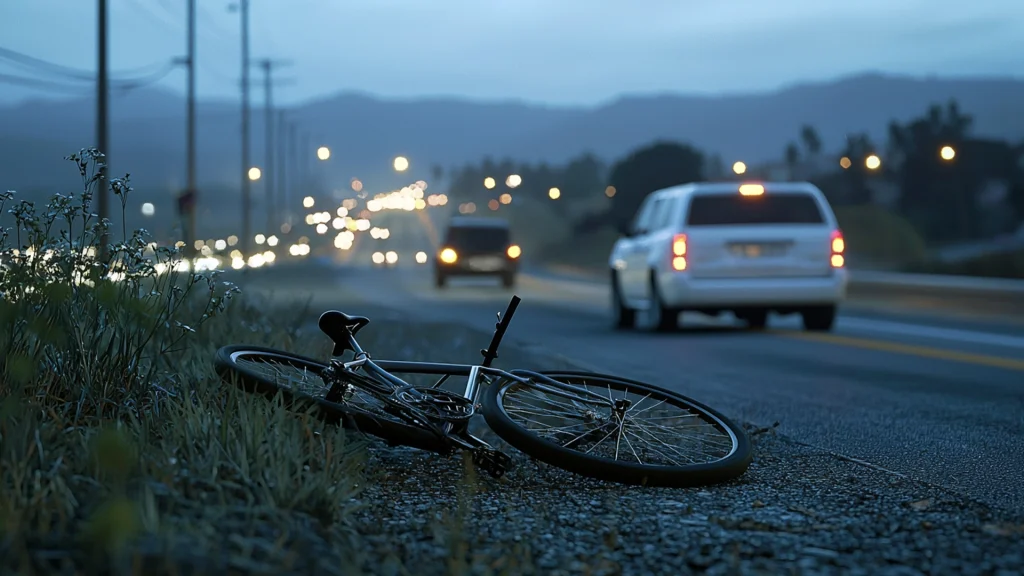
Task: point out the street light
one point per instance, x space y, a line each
489 183
513 180
148 209
739 168
554 193
873 162
323 152
947 153
254 173
401 163
845 163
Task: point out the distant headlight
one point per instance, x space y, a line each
448 256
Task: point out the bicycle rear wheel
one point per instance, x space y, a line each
660 438
297 379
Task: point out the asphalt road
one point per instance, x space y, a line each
940 400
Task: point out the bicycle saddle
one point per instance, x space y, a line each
338 326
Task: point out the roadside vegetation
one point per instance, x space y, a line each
118 447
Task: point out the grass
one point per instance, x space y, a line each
121 451
118 447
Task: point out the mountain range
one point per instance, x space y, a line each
365 133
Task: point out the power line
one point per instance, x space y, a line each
118 88
39 64
44 84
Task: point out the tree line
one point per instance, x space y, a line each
932 171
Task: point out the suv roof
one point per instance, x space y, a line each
733 188
477 222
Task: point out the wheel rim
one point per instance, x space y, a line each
304 378
645 433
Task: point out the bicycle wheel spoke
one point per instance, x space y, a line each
646 428
305 381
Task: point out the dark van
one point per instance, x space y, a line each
476 246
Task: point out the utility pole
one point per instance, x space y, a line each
280 202
305 159
293 173
102 127
246 188
268 174
187 201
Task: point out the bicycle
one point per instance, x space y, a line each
366 395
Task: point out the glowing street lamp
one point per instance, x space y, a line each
323 152
513 180
845 163
554 193
489 183
401 163
947 153
873 162
254 173
739 168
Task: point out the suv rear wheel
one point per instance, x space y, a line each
623 317
819 318
659 317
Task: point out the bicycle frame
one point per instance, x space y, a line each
383 370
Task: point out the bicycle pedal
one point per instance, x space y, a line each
493 462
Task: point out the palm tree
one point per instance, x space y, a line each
792 159
811 140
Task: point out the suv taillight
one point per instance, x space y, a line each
838 249
679 252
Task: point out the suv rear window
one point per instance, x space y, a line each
483 238
770 208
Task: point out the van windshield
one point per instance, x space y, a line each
478 238
769 208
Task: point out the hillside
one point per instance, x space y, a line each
365 132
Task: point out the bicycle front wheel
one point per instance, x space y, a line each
637 434
299 382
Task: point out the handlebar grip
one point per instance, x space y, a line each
509 312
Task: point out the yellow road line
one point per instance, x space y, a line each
912 350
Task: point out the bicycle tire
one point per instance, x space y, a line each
531 444
348 416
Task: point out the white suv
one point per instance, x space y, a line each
744 248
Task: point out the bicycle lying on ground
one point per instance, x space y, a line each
592 424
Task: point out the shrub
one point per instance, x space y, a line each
115 435
877 237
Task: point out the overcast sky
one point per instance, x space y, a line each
555 51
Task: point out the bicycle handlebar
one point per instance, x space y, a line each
491 352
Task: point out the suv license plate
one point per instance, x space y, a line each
485 264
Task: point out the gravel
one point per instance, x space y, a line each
797 510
